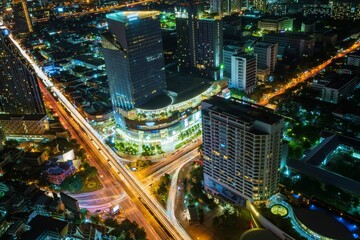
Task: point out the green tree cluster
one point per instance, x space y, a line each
150 150
126 230
196 187
127 147
232 223
139 164
161 188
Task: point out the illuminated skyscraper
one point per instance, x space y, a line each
134 60
199 42
242 146
19 90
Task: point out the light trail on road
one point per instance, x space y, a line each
170 204
134 187
169 168
306 75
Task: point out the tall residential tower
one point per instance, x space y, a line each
22 109
19 91
199 42
242 148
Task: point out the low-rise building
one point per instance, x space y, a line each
340 87
59 172
276 24
34 158
89 62
354 59
293 44
326 38
42 227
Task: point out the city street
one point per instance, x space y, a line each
306 75
112 192
140 196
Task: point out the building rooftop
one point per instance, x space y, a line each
231 47
244 55
329 144
355 53
40 224
55 170
128 16
158 102
338 81
263 44
245 111
185 86
323 223
290 35
275 19
309 165
90 60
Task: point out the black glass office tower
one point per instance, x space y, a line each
19 90
134 61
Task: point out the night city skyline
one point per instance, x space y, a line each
180 119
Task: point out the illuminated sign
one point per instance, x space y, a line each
5 32
150 124
116 208
186 122
132 17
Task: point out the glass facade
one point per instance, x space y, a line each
134 59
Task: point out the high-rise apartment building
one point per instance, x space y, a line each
242 147
22 109
243 72
266 58
199 42
134 60
19 90
225 7
228 52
